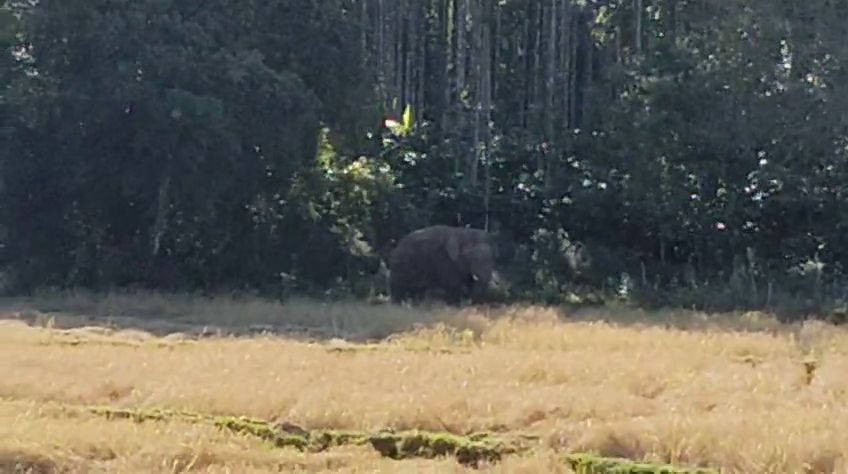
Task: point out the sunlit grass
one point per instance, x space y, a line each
741 393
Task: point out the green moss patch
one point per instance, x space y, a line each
474 449
591 464
468 450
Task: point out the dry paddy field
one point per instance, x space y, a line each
154 384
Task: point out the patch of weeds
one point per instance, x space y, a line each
77 341
591 464
12 461
340 346
749 359
811 364
140 416
473 449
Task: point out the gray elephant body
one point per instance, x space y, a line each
458 262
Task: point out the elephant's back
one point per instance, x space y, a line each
411 256
421 244
417 258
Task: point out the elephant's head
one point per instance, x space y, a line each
475 253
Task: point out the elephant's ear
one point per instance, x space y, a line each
452 246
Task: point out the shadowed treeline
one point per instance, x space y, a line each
659 152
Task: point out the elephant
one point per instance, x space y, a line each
457 261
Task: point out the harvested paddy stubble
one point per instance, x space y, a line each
741 401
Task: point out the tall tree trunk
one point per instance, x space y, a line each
486 92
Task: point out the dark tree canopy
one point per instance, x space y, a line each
671 151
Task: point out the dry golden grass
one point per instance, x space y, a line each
726 392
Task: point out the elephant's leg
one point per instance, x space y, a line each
455 287
418 295
399 298
408 292
477 294
470 285
453 297
400 291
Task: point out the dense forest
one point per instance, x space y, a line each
667 151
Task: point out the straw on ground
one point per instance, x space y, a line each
679 388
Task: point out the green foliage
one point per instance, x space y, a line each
589 464
696 157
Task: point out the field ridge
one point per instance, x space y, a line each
471 449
